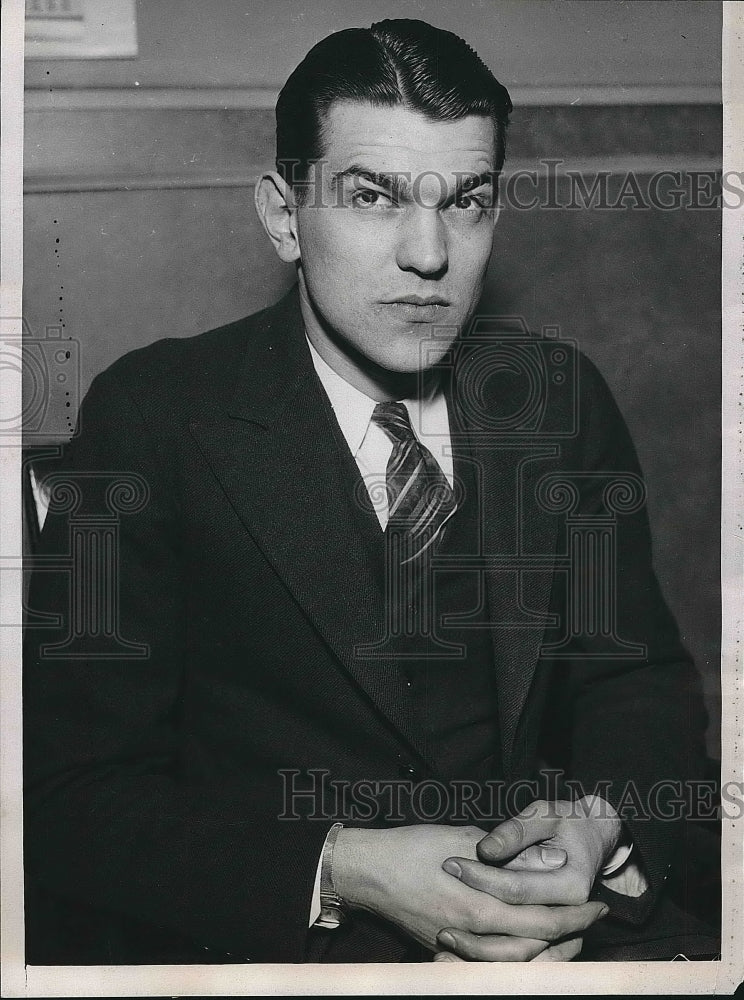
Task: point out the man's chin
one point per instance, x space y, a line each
427 354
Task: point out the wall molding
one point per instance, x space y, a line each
244 98
49 183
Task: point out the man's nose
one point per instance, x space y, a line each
422 246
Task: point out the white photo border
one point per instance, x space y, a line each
694 978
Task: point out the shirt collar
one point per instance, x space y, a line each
353 409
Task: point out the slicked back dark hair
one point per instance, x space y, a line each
395 62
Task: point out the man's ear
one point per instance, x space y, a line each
278 214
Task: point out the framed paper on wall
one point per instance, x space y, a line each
80 29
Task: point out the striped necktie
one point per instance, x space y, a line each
420 499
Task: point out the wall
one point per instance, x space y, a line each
531 45
139 220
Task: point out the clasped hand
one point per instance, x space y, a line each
514 894
549 854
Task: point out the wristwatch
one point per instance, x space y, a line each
333 909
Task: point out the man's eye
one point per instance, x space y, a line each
468 201
367 198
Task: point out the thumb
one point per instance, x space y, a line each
538 858
509 838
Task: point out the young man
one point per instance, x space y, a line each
344 566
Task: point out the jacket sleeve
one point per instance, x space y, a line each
635 722
109 821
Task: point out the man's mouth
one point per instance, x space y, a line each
419 300
418 308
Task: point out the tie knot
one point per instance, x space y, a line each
394 420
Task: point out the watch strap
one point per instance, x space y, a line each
333 909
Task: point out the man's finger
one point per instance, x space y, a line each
545 888
543 923
447 956
489 947
538 858
531 826
564 951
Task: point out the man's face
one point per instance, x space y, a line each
395 234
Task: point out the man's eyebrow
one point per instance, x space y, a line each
399 184
395 183
469 181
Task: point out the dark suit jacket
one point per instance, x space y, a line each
153 781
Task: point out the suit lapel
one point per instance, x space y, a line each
513 530
278 457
